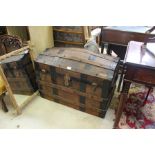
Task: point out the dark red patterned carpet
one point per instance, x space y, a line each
137 114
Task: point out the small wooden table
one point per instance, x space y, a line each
140 68
118 37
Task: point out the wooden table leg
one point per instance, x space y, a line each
121 77
123 98
102 47
150 88
4 107
109 51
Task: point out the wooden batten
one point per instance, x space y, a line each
13 53
29 100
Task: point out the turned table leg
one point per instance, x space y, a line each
4 107
109 51
150 88
123 98
102 48
121 78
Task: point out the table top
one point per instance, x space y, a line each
135 55
137 29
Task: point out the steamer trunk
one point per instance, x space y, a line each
20 73
77 78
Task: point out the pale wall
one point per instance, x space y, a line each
20 31
41 37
